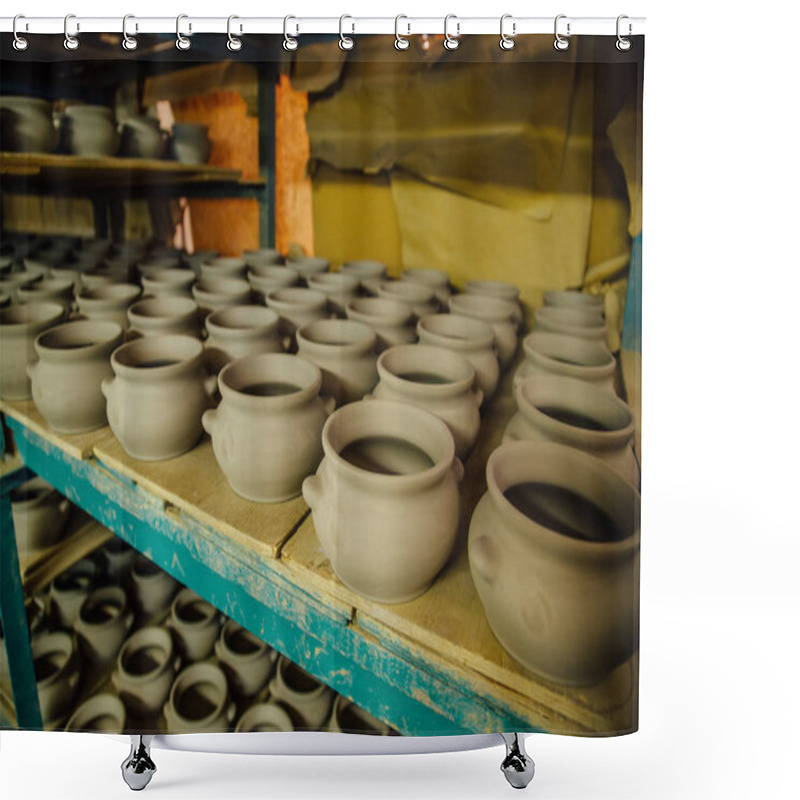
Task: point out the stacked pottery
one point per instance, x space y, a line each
470 338
436 279
347 717
153 589
223 267
190 143
39 513
103 624
164 316
158 395
568 356
500 315
308 700
213 294
265 718
240 331
572 413
345 353
385 498
296 307
69 590
570 322
266 431
27 125
47 290
56 666
338 288
391 321
308 266
19 327
169 283
498 289
418 297
245 659
199 701
554 552
196 625
89 131
74 359
438 380
102 713
269 278
141 137
108 303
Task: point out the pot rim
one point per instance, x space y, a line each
483 306
309 338
105 336
296 298
52 638
409 292
34 315
109 294
259 652
131 645
492 288
222 322
92 599
365 309
178 308
187 596
422 355
189 352
427 276
200 672
484 338
564 342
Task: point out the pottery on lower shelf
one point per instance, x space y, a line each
347 717
240 331
196 624
391 321
418 297
74 359
262 256
266 431
499 314
164 316
199 701
169 283
438 380
568 356
554 553
19 327
89 130
571 322
153 588
213 294
117 557
108 303
436 279
470 338
101 713
68 591
366 270
340 289
270 277
308 699
146 667
39 513
265 718
26 124
57 670
385 499
580 301
576 414
157 396
190 143
345 353
246 660
103 624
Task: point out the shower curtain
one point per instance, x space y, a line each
320 383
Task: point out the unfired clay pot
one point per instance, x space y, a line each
164 316
47 290
68 591
436 279
158 396
240 331
199 701
419 297
19 327
347 717
196 625
568 356
365 270
392 321
155 265
190 143
89 131
117 558
499 314
308 699
169 283
499 289
213 294
338 288
345 352
223 267
245 659
438 380
74 359
580 301
26 124
103 624
39 513
270 277
101 713
57 669
576 414
141 137
266 431
296 307
554 552
153 589
385 498
308 265
194 260
571 322
265 718
108 303
263 256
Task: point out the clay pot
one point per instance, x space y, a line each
240 331
153 589
68 591
368 272
73 275
436 279
576 414
26 125
109 303
196 625
102 713
262 257
499 314
158 395
141 137
347 717
190 143
499 289
153 266
385 498
345 353
438 380
308 699
268 278
47 290
103 623
39 513
296 307
570 322
146 668
338 288
169 283
245 659
470 338
568 356
89 131
117 558
579 301
57 669
270 403
265 718
223 268
554 553
213 294
194 260
418 297
308 266
74 359
199 701
95 278
164 316
391 321
19 327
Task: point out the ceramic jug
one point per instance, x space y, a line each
246 660
196 625
103 624
308 699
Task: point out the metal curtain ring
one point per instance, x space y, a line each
234 44
181 41
70 42
346 42
129 42
451 42
561 42
400 42
507 42
20 42
623 44
289 43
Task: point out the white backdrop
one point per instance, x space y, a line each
720 551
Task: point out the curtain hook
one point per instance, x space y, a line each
181 41
623 44
400 42
70 42
289 43
507 42
129 42
451 42
234 44
346 42
20 42
561 42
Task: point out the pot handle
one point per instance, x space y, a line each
329 404
478 395
482 558
106 386
312 491
231 712
458 469
63 506
218 650
209 420
115 679
31 370
210 385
